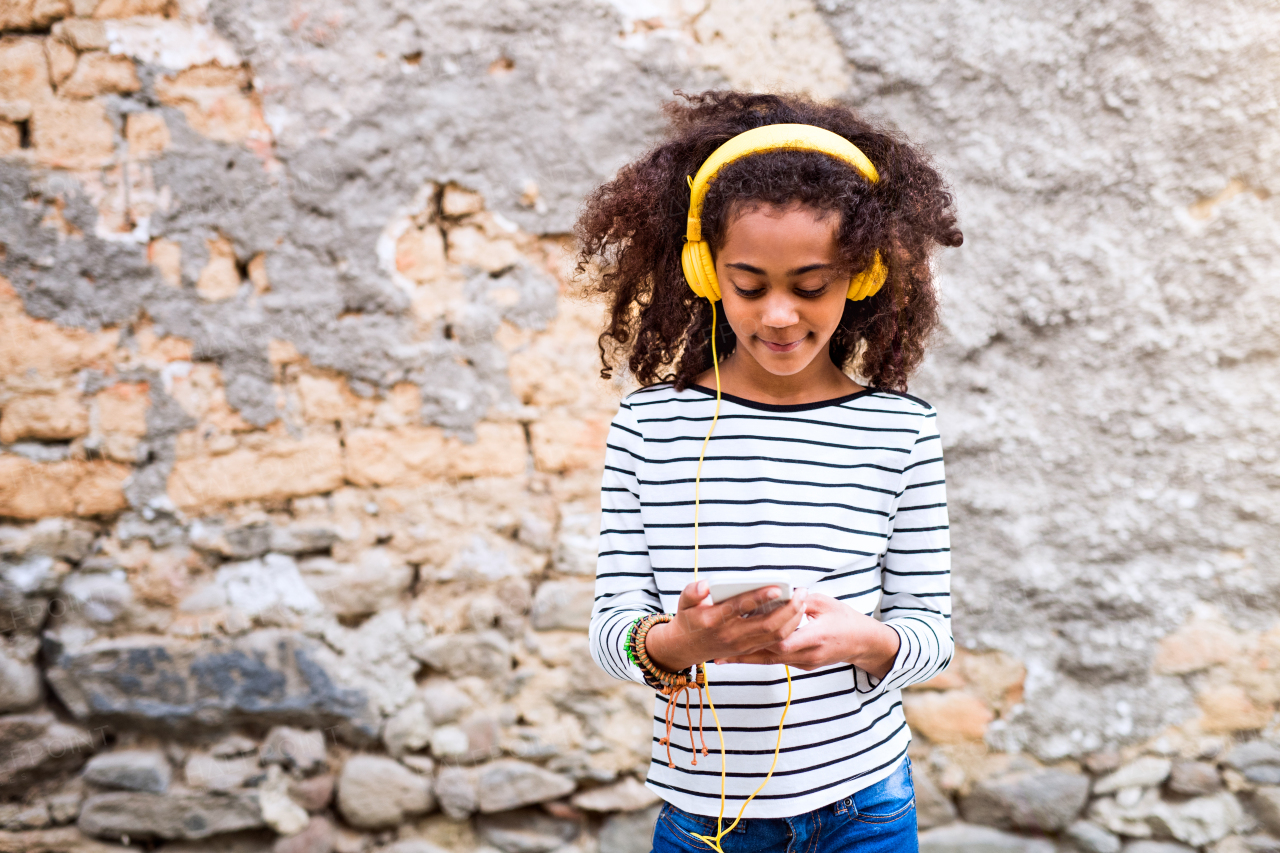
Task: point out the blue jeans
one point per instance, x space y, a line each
878 819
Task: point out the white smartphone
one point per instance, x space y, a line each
726 586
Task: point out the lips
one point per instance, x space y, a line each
781 347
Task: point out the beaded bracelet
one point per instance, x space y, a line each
669 684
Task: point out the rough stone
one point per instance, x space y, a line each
509 784
526 831
1041 800
1090 838
409 730
1265 806
98 73
267 589
317 837
33 490
72 134
1194 778
148 136
965 838
263 677
444 701
1229 708
45 417
174 816
298 748
313 794
629 832
933 807
486 654
1251 754
61 840
32 15
408 456
375 792
285 468
1199 821
130 770
278 811
563 605
1145 772
374 582
950 717
456 790
37 745
1156 847
626 795
19 676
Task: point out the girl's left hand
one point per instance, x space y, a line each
834 633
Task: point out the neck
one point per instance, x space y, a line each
742 376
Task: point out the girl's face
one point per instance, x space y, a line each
780 282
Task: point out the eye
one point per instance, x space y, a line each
811 294
748 294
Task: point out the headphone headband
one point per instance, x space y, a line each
696 259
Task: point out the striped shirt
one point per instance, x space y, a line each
847 497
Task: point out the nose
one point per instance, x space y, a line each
779 311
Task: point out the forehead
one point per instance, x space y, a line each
763 228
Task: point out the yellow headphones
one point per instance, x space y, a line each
699 268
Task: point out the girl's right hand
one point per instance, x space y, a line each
702 631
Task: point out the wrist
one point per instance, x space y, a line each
665 649
878 651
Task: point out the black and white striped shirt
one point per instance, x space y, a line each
848 497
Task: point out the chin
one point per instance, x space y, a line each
782 364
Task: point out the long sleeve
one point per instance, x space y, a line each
625 586
916 569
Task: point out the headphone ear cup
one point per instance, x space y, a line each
868 282
700 269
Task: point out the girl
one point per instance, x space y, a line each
769 247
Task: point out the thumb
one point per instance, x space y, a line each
693 595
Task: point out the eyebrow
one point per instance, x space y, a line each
796 271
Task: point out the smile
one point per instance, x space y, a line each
781 347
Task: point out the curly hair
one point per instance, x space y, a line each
632 229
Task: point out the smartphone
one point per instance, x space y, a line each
726 586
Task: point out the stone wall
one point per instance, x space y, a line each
300 429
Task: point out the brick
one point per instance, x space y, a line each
72 134
36 490
147 135
459 202
1196 646
563 443
50 417
282 468
220 279
412 455
99 73
166 255
420 254
24 71
30 346
62 60
1228 708
131 8
32 14
950 717
123 408
257 271
214 101
325 399
471 246
10 138
82 33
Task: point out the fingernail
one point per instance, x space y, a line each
773 593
